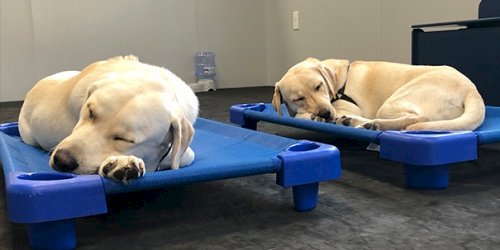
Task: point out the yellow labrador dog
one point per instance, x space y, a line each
116 118
380 95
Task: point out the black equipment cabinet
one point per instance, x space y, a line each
471 46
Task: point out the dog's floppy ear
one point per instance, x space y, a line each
91 90
182 133
277 99
329 76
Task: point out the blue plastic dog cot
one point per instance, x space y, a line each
48 201
426 155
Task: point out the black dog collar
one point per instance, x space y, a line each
340 94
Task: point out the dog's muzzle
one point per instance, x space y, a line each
325 114
64 161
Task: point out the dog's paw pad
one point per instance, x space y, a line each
317 118
369 126
343 120
107 166
126 173
122 168
346 121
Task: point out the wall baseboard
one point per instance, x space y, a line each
203 85
11 104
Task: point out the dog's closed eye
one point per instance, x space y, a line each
92 115
318 87
299 99
123 139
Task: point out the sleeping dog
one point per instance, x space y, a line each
380 95
116 118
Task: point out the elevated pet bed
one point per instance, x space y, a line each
48 201
425 154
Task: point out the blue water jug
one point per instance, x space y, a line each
205 65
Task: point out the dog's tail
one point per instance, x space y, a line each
473 116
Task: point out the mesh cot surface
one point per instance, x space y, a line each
221 152
425 154
249 114
41 197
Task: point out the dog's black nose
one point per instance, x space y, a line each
326 114
64 161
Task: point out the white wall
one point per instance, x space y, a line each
327 29
397 16
41 37
253 40
17 50
352 29
69 34
235 30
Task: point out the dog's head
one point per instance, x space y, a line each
134 118
307 90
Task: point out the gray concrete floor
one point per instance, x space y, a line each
367 208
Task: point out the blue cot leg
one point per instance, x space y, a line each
250 124
426 177
304 165
426 155
237 114
305 197
53 234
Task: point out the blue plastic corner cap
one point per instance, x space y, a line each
10 128
41 197
428 147
308 162
237 112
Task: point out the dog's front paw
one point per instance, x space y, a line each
317 118
343 120
122 168
370 125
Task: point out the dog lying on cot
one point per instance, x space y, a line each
380 95
117 118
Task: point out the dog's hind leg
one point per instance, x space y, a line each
186 159
348 114
351 120
394 117
393 124
25 131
